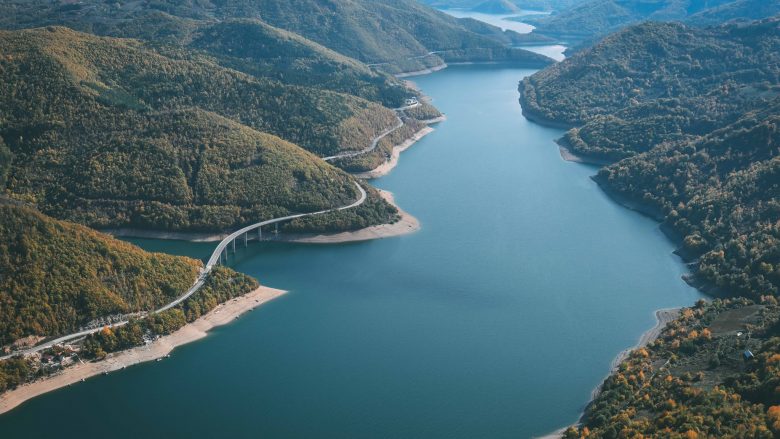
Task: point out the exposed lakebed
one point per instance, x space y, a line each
496 319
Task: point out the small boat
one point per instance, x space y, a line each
159 359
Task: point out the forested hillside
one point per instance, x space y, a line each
695 381
595 18
690 120
678 97
721 195
57 276
110 133
656 82
394 36
248 45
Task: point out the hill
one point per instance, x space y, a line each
56 276
596 18
248 45
693 114
690 120
667 81
496 7
394 36
694 380
111 133
720 195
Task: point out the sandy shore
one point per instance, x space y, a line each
662 317
221 315
392 162
557 434
421 72
569 156
407 224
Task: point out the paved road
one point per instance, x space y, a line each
371 147
376 140
213 260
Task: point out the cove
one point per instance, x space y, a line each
495 320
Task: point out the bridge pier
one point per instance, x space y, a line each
234 245
259 233
246 239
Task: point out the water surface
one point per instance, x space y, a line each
495 320
510 22
502 21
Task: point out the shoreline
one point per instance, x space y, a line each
662 318
538 118
390 164
223 314
129 232
569 156
427 71
406 225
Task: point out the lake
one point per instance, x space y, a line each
496 319
503 21
510 22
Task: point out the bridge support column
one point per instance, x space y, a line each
234 245
276 228
259 233
246 239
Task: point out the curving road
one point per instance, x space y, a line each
376 140
371 147
213 260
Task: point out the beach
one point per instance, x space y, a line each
221 315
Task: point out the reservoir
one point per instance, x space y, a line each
497 319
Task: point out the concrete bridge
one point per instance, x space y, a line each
216 257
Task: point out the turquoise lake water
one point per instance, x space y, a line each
496 320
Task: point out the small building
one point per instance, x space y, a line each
747 355
411 101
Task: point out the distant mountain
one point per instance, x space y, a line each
397 35
496 7
736 10
693 114
534 5
594 18
112 133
